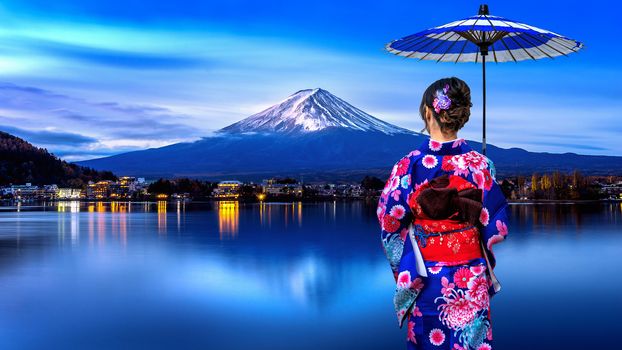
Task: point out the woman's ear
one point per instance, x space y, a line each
428 118
428 115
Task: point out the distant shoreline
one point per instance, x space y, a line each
561 201
8 203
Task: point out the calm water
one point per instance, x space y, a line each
281 276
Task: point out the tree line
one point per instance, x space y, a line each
551 186
21 162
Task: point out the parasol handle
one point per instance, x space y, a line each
483 10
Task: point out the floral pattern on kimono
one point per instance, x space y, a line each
432 159
461 294
395 216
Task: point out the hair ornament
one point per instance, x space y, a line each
441 101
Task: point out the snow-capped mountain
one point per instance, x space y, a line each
312 110
321 137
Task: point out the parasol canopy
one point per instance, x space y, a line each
474 38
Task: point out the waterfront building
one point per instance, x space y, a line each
612 190
228 189
98 190
356 190
50 192
327 190
275 187
68 193
181 196
128 186
26 191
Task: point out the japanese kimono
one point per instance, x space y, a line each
440 213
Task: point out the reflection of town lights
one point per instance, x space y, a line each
161 205
228 218
228 205
73 206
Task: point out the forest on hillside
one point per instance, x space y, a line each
21 162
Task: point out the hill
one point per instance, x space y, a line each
21 162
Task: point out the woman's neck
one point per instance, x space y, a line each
437 135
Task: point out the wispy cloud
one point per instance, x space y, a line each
103 56
72 126
47 138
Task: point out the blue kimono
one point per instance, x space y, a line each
446 304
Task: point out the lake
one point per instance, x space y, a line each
228 275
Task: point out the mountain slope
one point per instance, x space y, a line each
321 137
321 154
21 162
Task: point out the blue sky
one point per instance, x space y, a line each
89 79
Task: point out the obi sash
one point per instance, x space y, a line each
447 210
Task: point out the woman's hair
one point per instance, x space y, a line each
454 118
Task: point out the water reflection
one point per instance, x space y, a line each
228 219
560 218
307 277
259 261
162 206
285 213
73 206
112 219
102 218
181 211
119 207
69 226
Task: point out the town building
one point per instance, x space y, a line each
274 187
23 192
612 191
98 190
67 193
228 189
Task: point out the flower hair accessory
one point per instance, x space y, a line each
441 101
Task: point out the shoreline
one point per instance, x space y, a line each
9 203
562 201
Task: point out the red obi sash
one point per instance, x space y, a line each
447 211
455 247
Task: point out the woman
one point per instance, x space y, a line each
441 211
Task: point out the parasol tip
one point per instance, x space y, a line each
483 10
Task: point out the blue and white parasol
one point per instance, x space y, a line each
473 38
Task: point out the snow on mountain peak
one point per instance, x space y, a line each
312 110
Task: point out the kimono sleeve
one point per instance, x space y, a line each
394 214
494 215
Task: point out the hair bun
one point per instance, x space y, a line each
454 118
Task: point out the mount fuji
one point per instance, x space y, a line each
309 111
316 135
